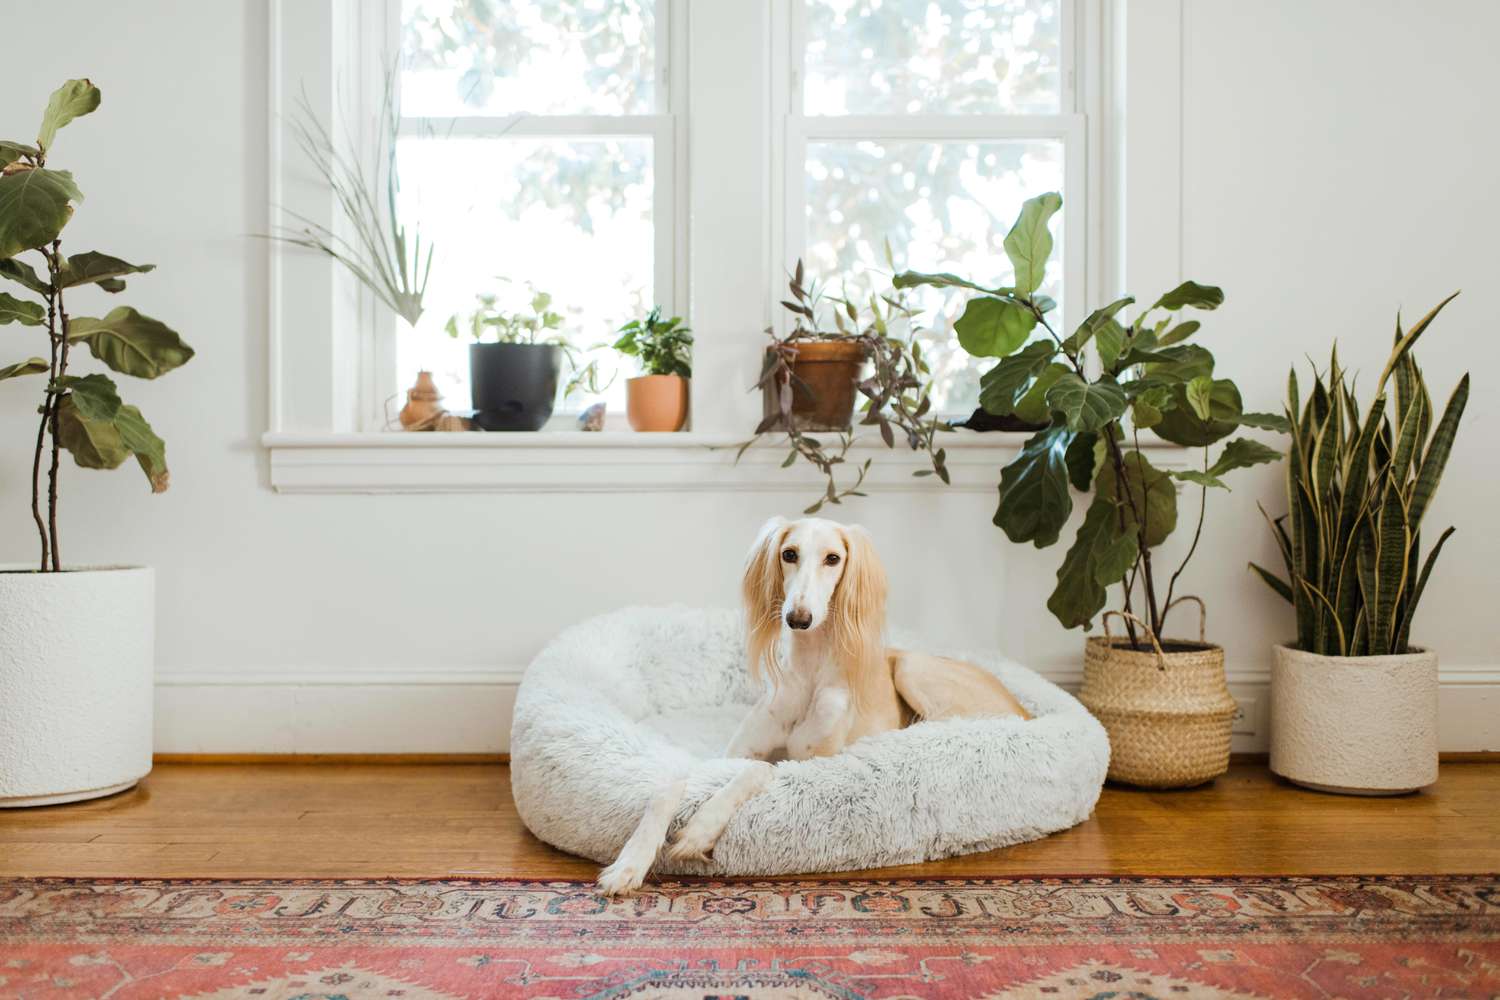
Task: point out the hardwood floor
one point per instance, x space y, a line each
435 820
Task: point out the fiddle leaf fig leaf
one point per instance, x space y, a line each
1183 425
10 152
1034 499
1004 385
993 328
73 99
1200 478
1032 407
94 444
82 268
22 273
1265 421
1081 458
1095 320
911 279
1182 331
1029 242
34 208
149 450
1087 406
31 366
14 310
1180 362
1190 293
1200 396
95 395
1115 559
131 343
1144 414
1147 496
1079 595
1242 453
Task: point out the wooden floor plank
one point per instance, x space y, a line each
353 819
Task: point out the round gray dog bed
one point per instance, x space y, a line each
619 705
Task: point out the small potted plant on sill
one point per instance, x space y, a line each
657 399
515 362
1164 703
1354 705
76 642
896 392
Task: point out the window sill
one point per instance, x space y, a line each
605 462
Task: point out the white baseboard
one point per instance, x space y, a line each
468 711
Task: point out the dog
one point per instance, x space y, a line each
814 596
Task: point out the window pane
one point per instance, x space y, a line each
539 56
568 217
932 56
944 206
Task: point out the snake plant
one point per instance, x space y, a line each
1357 491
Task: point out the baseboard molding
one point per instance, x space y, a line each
361 759
402 715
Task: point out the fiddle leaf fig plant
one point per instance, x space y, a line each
83 414
1096 390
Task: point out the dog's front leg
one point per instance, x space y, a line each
639 853
759 733
697 838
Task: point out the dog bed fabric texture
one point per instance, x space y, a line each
618 706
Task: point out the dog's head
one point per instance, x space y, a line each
812 574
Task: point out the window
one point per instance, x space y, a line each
927 123
538 150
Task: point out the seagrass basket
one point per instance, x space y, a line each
1168 711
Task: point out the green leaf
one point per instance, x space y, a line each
95 396
1200 478
1181 425
1436 457
1200 396
82 268
1148 496
1109 340
1114 561
1087 406
94 444
1182 331
34 208
1190 293
31 366
1034 499
10 152
993 328
1144 414
1180 363
22 273
1004 385
131 343
1081 459
1029 242
14 310
149 450
1275 582
1096 319
911 279
1265 421
1033 406
73 99
1079 595
1242 453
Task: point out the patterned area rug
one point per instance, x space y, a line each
1053 938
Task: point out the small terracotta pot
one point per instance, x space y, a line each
656 402
824 374
423 404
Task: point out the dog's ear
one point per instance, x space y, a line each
762 597
859 601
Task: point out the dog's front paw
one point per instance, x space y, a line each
693 842
621 878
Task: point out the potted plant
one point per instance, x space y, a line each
1354 705
76 642
658 399
896 392
515 362
1164 702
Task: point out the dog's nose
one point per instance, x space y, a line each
799 619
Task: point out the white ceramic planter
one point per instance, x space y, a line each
1360 725
76 672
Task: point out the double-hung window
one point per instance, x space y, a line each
539 152
926 123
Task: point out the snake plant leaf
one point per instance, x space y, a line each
1081 458
96 396
912 279
73 99
1406 442
34 208
1034 499
1032 407
90 266
23 274
1182 331
1190 293
1438 450
94 444
131 343
1409 340
1029 242
31 366
1087 406
1079 595
1392 546
14 310
1403 632
1095 321
1242 453
1148 497
149 450
1004 385
993 328
1275 582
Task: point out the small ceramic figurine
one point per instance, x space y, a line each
421 411
592 419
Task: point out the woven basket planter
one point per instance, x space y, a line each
1167 711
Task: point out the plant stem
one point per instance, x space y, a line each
41 430
1197 534
61 347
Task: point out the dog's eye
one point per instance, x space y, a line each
832 559
789 555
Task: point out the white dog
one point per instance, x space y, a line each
814 594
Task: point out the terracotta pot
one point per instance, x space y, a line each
656 402
823 384
423 404
1359 725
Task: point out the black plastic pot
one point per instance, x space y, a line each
514 385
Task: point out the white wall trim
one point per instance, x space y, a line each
393 711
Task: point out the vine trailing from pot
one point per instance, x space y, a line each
1357 490
1145 368
896 390
80 413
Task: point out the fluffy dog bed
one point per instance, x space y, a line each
619 705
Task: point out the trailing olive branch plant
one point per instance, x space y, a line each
896 392
1143 367
81 413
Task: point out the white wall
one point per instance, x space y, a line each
1336 164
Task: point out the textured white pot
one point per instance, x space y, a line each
1361 725
76 671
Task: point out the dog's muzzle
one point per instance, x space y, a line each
799 619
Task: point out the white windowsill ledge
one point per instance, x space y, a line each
603 462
